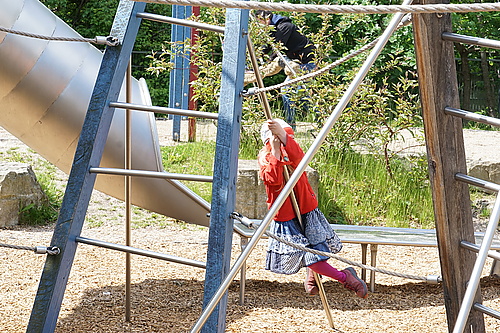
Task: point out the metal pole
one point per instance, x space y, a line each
183 22
128 166
358 79
477 182
473 284
164 110
151 174
472 116
141 252
258 77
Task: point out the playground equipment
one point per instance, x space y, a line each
45 88
444 141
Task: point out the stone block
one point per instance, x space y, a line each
250 190
18 188
484 169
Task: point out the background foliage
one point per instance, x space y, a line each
385 105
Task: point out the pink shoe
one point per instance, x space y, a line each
310 283
353 282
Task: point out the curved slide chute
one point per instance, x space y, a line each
45 89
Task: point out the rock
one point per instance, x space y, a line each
250 190
18 189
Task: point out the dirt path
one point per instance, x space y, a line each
167 297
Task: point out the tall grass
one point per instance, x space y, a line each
356 188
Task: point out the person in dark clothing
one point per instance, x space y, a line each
299 56
298 47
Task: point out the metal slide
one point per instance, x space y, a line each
45 88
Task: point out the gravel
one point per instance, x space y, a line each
167 297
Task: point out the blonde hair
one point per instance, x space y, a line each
262 156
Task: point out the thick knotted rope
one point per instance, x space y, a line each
336 9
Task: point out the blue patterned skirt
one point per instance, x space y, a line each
318 235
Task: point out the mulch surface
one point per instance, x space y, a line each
167 297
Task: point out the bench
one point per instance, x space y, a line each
364 235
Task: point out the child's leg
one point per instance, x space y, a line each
324 268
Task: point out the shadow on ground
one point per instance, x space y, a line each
174 305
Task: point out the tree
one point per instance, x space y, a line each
479 73
91 18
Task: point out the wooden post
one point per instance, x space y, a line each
225 164
81 182
446 157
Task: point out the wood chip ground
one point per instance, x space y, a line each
167 297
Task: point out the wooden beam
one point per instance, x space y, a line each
225 164
446 157
81 182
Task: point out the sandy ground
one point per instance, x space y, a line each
167 297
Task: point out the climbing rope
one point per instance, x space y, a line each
100 40
336 9
429 279
51 250
255 90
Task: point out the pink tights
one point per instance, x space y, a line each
324 268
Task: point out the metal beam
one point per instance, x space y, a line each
151 174
467 115
141 252
483 42
160 109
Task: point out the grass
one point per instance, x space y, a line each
354 188
196 158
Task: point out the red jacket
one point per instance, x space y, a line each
274 180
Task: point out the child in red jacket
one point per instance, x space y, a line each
281 150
